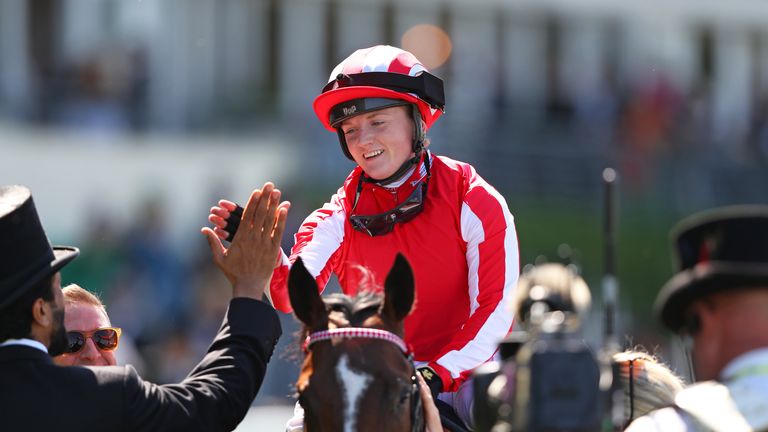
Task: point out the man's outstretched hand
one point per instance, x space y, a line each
250 259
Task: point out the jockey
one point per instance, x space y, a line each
453 227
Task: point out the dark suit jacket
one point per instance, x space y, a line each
37 395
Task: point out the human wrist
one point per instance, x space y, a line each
249 288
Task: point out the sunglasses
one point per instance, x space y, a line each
384 223
105 338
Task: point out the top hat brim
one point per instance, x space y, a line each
704 279
62 256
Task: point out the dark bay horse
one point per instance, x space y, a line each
357 374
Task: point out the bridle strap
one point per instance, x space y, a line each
356 333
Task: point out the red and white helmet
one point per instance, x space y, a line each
375 78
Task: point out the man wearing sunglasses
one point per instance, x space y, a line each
718 302
92 340
453 227
38 395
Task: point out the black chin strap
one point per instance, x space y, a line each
397 175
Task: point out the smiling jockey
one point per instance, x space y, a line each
453 227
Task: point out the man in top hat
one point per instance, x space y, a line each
36 394
718 302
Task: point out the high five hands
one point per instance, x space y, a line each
251 257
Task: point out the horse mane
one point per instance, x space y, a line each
353 309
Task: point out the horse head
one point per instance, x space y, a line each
356 373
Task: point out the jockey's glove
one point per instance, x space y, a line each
233 222
432 379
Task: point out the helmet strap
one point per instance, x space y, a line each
404 168
419 135
343 143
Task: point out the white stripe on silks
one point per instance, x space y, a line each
379 59
416 69
480 349
327 236
353 385
511 248
284 261
472 233
512 257
496 326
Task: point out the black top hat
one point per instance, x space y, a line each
717 250
26 256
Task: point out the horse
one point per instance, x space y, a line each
357 373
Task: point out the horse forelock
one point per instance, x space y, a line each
354 310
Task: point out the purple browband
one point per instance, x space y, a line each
355 332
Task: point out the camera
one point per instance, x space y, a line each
548 378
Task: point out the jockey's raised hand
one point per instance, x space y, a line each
219 217
250 259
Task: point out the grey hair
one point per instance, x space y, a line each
654 385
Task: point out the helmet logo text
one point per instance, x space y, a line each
349 110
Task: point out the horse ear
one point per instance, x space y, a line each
398 290
305 297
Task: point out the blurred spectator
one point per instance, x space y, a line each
102 262
758 135
85 314
94 103
92 339
718 302
104 92
155 274
648 383
646 124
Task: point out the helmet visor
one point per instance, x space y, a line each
353 107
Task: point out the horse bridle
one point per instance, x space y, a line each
417 414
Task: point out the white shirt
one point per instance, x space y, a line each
26 342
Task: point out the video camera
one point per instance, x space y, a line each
548 378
